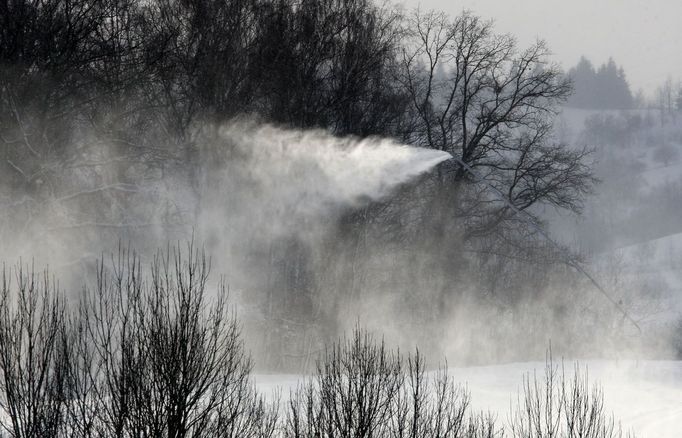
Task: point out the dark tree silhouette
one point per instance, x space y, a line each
105 106
475 96
33 354
164 358
362 389
329 64
602 88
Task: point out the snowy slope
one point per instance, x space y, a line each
633 222
646 396
653 269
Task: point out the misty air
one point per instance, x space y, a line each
340 218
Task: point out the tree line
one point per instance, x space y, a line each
605 87
142 74
100 100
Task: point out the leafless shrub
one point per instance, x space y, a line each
361 389
562 405
352 392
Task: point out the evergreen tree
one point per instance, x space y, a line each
603 88
584 79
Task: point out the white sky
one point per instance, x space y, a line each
644 36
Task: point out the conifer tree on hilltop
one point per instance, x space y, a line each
602 88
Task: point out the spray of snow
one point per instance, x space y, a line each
280 182
312 170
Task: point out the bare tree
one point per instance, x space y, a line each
361 389
476 96
352 395
169 361
33 354
329 64
558 405
665 101
431 406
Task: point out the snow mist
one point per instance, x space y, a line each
284 176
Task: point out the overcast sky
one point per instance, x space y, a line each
644 36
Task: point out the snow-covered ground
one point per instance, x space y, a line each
645 396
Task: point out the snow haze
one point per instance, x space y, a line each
643 36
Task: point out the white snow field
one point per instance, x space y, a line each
645 396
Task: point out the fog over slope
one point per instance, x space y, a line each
307 148
370 204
